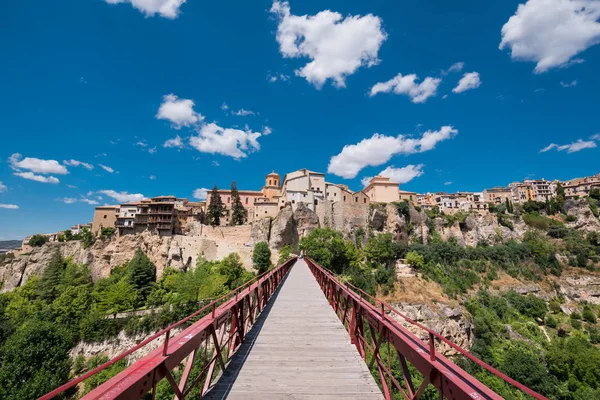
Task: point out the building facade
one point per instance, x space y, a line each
382 190
497 195
104 217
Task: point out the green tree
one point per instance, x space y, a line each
118 297
68 235
261 257
232 269
238 212
415 259
37 240
87 238
35 360
215 207
52 277
326 247
285 253
142 274
379 250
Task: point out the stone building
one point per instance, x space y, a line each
382 190
303 186
104 217
405 195
580 187
497 195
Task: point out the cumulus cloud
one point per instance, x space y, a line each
579 145
9 206
267 131
456 67
552 32
106 168
235 143
595 137
175 142
378 149
76 163
38 178
152 177
418 92
180 112
37 165
3 187
278 77
243 113
469 81
122 197
400 175
68 200
200 194
336 46
568 84
164 8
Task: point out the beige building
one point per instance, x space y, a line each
541 189
580 187
303 186
104 217
411 197
382 190
497 195
521 192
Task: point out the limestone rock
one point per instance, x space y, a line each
395 223
284 230
306 220
261 230
586 221
377 220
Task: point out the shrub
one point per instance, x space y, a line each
285 253
588 314
570 218
551 321
37 240
261 257
415 260
576 324
535 220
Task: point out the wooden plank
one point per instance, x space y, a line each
297 349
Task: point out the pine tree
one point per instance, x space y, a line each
261 257
142 274
238 213
52 277
215 208
509 206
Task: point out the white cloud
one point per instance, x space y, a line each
267 131
122 197
400 175
336 45
164 8
579 145
37 165
152 177
418 92
231 142
200 194
75 163
447 183
3 187
552 32
89 201
378 150
72 186
243 113
595 137
141 144
568 84
106 168
215 164
470 80
100 155
224 107
152 150
9 206
180 112
68 200
456 67
278 77
175 142
38 178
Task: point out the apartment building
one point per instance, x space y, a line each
303 186
541 189
581 187
497 195
382 189
411 197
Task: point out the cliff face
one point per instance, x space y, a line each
176 251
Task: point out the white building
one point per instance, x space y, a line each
303 186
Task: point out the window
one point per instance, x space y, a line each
265 211
365 200
105 217
293 201
316 202
356 199
247 200
229 199
344 198
269 182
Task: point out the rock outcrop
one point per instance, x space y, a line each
284 230
585 220
261 231
306 220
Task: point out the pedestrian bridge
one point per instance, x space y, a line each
295 332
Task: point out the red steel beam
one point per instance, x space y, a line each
452 381
141 377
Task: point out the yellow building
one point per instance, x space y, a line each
382 190
411 197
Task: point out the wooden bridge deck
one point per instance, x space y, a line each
298 349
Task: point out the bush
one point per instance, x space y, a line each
551 321
588 314
537 221
415 260
37 240
285 253
327 247
570 218
576 324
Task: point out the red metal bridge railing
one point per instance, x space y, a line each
360 311
220 332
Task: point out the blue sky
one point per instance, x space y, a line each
92 83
